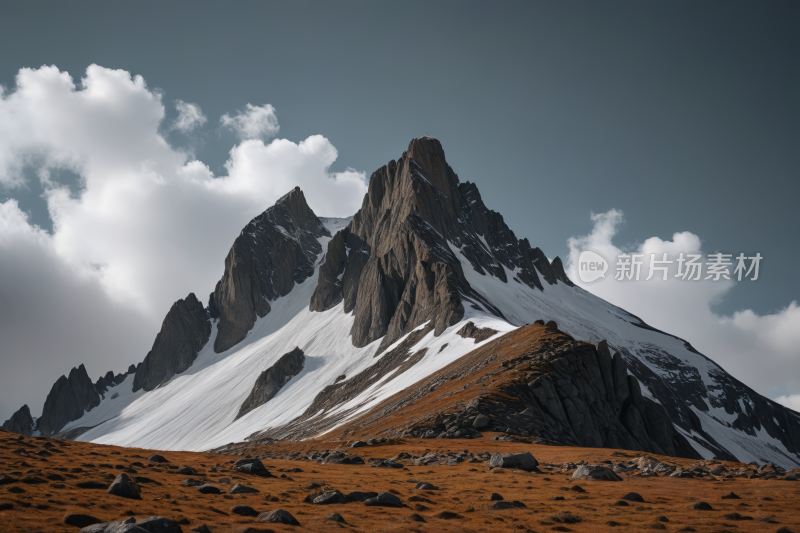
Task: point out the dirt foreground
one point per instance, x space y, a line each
39 486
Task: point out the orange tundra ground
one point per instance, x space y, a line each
460 504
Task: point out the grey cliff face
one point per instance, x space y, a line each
276 250
183 334
67 401
394 265
270 381
20 422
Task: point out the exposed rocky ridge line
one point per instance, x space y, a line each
532 382
183 334
104 383
20 422
276 250
404 272
68 399
270 381
317 417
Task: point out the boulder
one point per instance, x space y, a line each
187 471
481 421
520 461
600 473
123 526
241 489
252 466
331 496
125 487
358 496
633 497
80 520
244 510
384 499
158 524
278 516
157 459
208 489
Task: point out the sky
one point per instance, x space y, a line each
136 140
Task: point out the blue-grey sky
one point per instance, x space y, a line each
683 115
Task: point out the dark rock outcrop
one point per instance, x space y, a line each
125 487
471 331
183 334
394 265
69 398
276 250
270 381
20 422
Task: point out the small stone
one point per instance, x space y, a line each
241 489
358 444
329 497
385 499
577 488
358 496
125 487
415 518
600 473
208 489
278 516
157 459
372 442
6 506
425 486
501 506
731 496
633 497
621 503
252 466
158 524
244 510
702 506
80 520
192 482
224 480
336 517
187 471
495 497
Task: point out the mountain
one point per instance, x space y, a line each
422 315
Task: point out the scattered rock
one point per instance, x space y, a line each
373 442
385 499
278 516
244 510
6 480
600 473
187 471
358 496
702 506
633 497
577 488
157 459
125 487
331 496
425 486
252 466
358 444
192 482
241 489
80 520
6 506
520 461
481 421
158 524
415 518
201 529
499 506
208 489
336 517
731 496
448 515
621 503
495 497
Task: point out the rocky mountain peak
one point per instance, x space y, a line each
68 399
275 251
395 265
20 422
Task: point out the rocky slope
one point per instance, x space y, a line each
67 401
271 380
422 278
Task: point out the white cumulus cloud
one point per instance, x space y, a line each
255 122
190 116
148 226
759 350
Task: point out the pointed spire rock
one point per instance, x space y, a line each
275 251
20 422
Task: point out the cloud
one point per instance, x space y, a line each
148 226
792 401
190 116
256 122
761 351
